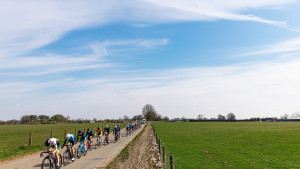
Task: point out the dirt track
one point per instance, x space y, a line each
143 153
94 159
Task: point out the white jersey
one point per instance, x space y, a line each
53 142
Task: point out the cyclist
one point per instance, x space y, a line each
89 135
82 137
54 145
107 130
71 142
99 131
128 128
116 131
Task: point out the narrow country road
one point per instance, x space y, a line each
98 158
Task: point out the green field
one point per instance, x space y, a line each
232 144
14 139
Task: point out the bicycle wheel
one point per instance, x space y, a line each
60 160
84 151
46 163
79 152
66 157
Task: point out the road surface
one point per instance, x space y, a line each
98 158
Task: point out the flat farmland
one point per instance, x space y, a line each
232 144
14 139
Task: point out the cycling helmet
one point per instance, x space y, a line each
47 143
88 129
79 131
106 126
68 136
98 128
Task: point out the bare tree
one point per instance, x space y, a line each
125 118
149 112
230 116
166 118
221 117
200 117
284 117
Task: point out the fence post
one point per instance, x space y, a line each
30 139
65 133
159 146
51 134
171 162
164 156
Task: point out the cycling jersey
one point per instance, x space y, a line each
52 143
71 140
106 130
82 137
89 134
99 131
116 130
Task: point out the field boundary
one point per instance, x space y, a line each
167 159
124 153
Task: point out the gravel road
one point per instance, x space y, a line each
98 158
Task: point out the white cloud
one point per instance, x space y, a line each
265 89
292 45
27 25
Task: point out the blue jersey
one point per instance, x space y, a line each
71 140
107 130
72 137
82 137
88 134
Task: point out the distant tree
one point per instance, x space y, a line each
33 118
25 119
166 118
200 117
139 117
29 119
43 118
159 117
255 119
230 116
58 118
125 118
221 117
183 119
284 117
149 112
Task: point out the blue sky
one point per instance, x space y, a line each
108 59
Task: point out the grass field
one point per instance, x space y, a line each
232 144
14 139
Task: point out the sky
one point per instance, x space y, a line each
106 59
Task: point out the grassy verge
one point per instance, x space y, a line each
14 139
124 153
232 145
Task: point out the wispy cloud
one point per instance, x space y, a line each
292 45
246 90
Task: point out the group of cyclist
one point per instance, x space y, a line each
132 127
52 144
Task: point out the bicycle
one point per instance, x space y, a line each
50 161
81 150
98 143
91 145
116 137
67 155
106 140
